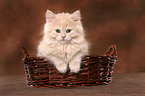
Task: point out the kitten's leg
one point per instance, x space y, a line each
75 63
60 65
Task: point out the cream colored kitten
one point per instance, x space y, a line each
64 42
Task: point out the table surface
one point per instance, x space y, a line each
124 84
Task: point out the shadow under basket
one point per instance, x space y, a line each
95 70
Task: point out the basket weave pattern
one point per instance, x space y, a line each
95 70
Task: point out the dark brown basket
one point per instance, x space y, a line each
95 70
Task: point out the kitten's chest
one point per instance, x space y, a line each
66 51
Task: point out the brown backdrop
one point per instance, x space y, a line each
120 22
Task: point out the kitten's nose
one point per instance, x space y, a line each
63 37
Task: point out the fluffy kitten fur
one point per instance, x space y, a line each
63 42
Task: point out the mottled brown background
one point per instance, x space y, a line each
120 22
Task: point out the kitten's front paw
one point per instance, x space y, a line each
62 68
75 68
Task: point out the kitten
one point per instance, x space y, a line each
64 42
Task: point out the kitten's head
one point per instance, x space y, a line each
63 27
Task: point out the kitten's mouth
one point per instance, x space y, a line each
64 40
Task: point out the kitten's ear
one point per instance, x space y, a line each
76 16
50 16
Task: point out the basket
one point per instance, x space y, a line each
95 70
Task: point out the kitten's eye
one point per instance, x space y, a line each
57 30
68 30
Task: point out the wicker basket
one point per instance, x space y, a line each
95 70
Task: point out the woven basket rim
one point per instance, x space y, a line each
111 51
